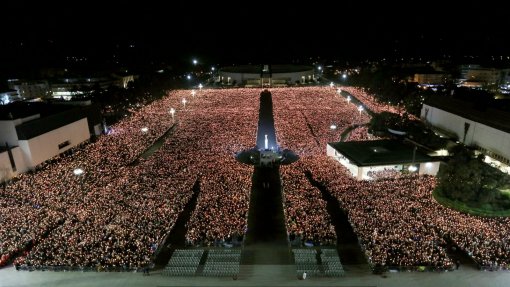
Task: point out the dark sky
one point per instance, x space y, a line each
253 31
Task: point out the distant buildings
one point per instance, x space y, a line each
32 133
430 78
475 76
266 75
30 89
62 87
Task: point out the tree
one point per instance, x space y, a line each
468 179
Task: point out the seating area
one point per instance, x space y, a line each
306 261
222 262
184 262
331 263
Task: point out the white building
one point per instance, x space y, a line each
29 137
362 158
489 130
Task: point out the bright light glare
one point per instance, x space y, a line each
188 77
412 168
195 61
145 129
344 76
332 127
78 171
200 86
332 84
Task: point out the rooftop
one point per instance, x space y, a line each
256 69
497 119
380 152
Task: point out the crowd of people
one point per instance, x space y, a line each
397 221
117 213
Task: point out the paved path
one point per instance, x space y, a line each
257 275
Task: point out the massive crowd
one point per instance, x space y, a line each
119 210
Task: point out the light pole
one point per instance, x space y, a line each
79 174
184 102
360 109
172 112
193 92
413 168
200 86
348 99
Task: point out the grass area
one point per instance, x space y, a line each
486 210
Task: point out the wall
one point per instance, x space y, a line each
478 134
430 168
41 148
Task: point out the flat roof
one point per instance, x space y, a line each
275 69
379 152
491 117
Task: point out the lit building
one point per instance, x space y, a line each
488 130
8 96
30 89
362 158
430 78
266 75
32 133
484 76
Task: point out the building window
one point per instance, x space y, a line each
63 145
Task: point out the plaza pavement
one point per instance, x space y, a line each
258 275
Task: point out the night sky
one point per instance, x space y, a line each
236 32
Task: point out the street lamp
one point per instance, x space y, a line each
195 62
172 112
360 109
339 91
344 76
184 102
348 99
193 93
332 84
200 86
413 168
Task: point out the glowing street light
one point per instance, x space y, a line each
332 84
413 168
360 109
200 86
193 92
344 76
339 91
78 171
195 61
348 99
172 112
184 102
188 77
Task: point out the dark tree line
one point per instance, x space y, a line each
468 179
